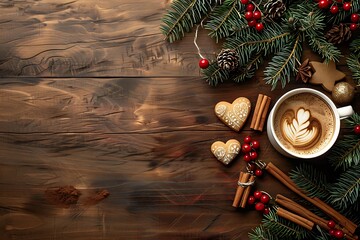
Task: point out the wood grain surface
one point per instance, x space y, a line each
92 97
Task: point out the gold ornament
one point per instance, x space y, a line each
343 93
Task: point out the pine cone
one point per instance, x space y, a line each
228 59
338 34
274 9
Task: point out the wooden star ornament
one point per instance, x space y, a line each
325 74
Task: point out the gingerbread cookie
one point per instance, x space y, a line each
234 115
226 152
325 74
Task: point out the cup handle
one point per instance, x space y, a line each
345 112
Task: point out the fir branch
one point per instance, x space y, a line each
345 153
353 120
248 71
224 19
353 62
355 46
282 65
260 233
345 192
182 16
282 228
311 180
214 75
319 44
342 15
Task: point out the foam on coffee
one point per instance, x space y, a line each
304 124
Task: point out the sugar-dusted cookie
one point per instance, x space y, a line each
235 114
226 152
325 74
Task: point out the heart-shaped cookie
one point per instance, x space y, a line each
226 152
234 115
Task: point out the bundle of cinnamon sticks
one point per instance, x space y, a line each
260 113
246 180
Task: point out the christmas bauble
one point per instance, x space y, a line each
343 93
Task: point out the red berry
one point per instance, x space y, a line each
257 15
265 199
332 232
244 1
353 26
251 200
347 6
357 129
266 211
354 17
252 23
253 155
259 206
259 27
246 148
339 234
249 15
331 224
334 9
257 194
250 7
247 157
247 139
258 172
255 144
203 63
323 4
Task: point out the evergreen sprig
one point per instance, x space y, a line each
345 191
182 16
214 74
353 62
310 180
353 120
260 233
345 152
342 14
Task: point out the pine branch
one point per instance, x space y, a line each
225 19
355 46
342 15
345 153
353 62
248 71
182 16
311 180
345 192
282 228
353 120
215 75
260 233
283 65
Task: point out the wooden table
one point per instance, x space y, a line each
92 97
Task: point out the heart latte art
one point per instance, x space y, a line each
299 129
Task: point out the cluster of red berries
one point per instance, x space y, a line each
357 129
253 16
337 233
333 5
249 148
354 21
260 200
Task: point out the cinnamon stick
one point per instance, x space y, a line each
295 218
283 178
246 193
264 115
256 111
261 110
243 178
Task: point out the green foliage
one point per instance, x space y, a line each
345 152
353 62
248 71
342 15
260 233
282 228
310 180
345 191
353 120
214 75
225 19
283 65
182 16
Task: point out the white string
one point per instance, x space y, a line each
195 38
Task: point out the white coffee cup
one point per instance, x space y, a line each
338 113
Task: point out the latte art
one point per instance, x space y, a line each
299 129
304 124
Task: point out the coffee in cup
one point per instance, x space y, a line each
305 123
